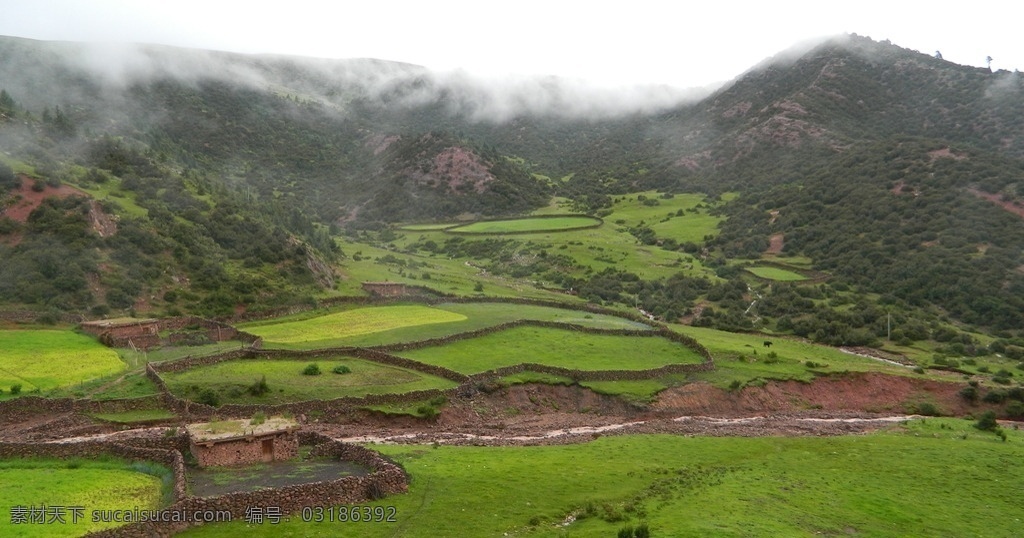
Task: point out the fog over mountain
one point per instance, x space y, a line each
115 67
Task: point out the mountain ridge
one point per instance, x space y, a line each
811 142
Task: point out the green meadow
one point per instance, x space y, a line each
937 477
287 383
775 273
527 225
743 358
555 347
100 484
47 359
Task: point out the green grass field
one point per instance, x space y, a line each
230 379
743 357
775 273
527 225
104 484
47 359
555 347
348 323
930 478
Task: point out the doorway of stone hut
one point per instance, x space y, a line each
268 450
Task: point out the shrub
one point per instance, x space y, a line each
927 409
994 396
259 387
427 411
312 369
209 397
342 369
259 418
987 422
16 388
1015 409
969 393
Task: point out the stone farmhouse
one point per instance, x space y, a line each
125 332
240 442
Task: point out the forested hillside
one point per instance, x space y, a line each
893 177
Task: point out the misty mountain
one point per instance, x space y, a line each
893 170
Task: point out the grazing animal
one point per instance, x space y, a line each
767 343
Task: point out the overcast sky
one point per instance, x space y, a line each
614 43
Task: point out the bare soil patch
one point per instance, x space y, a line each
30 199
1012 207
776 244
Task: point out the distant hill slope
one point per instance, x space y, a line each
890 169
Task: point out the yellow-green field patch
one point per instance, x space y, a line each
93 486
351 323
47 359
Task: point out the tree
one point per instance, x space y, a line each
7 178
6 105
988 60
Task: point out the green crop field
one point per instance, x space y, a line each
47 359
473 316
555 347
775 273
333 327
104 484
928 478
287 383
527 225
743 357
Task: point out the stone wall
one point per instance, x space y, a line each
339 407
91 449
385 478
384 289
19 409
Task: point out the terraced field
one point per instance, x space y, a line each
231 380
555 347
46 359
528 225
322 330
93 485
776 273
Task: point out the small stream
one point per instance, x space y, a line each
583 430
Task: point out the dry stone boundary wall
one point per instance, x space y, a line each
385 478
31 405
383 355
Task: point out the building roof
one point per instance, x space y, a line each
118 322
230 430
